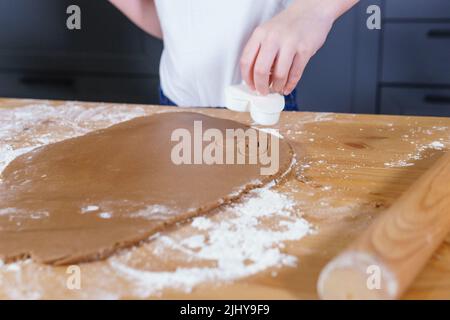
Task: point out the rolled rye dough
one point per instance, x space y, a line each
82 199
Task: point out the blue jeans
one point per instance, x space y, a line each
290 101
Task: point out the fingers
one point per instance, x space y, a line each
282 68
263 67
273 63
296 72
248 59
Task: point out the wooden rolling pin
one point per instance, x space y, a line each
384 261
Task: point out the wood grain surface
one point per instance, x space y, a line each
350 168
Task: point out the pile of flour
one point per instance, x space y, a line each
239 245
416 155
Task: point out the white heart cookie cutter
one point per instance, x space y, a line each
264 110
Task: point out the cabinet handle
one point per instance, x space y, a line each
439 34
437 99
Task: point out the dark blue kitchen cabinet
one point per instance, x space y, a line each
404 68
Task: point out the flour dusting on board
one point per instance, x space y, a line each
8 154
238 241
416 155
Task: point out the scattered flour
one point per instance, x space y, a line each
202 223
72 119
153 212
105 215
272 131
8 154
398 164
250 240
90 208
196 241
7 211
437 145
241 245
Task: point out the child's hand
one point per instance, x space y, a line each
277 53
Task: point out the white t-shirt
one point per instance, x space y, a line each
203 43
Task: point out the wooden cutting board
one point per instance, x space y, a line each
351 167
